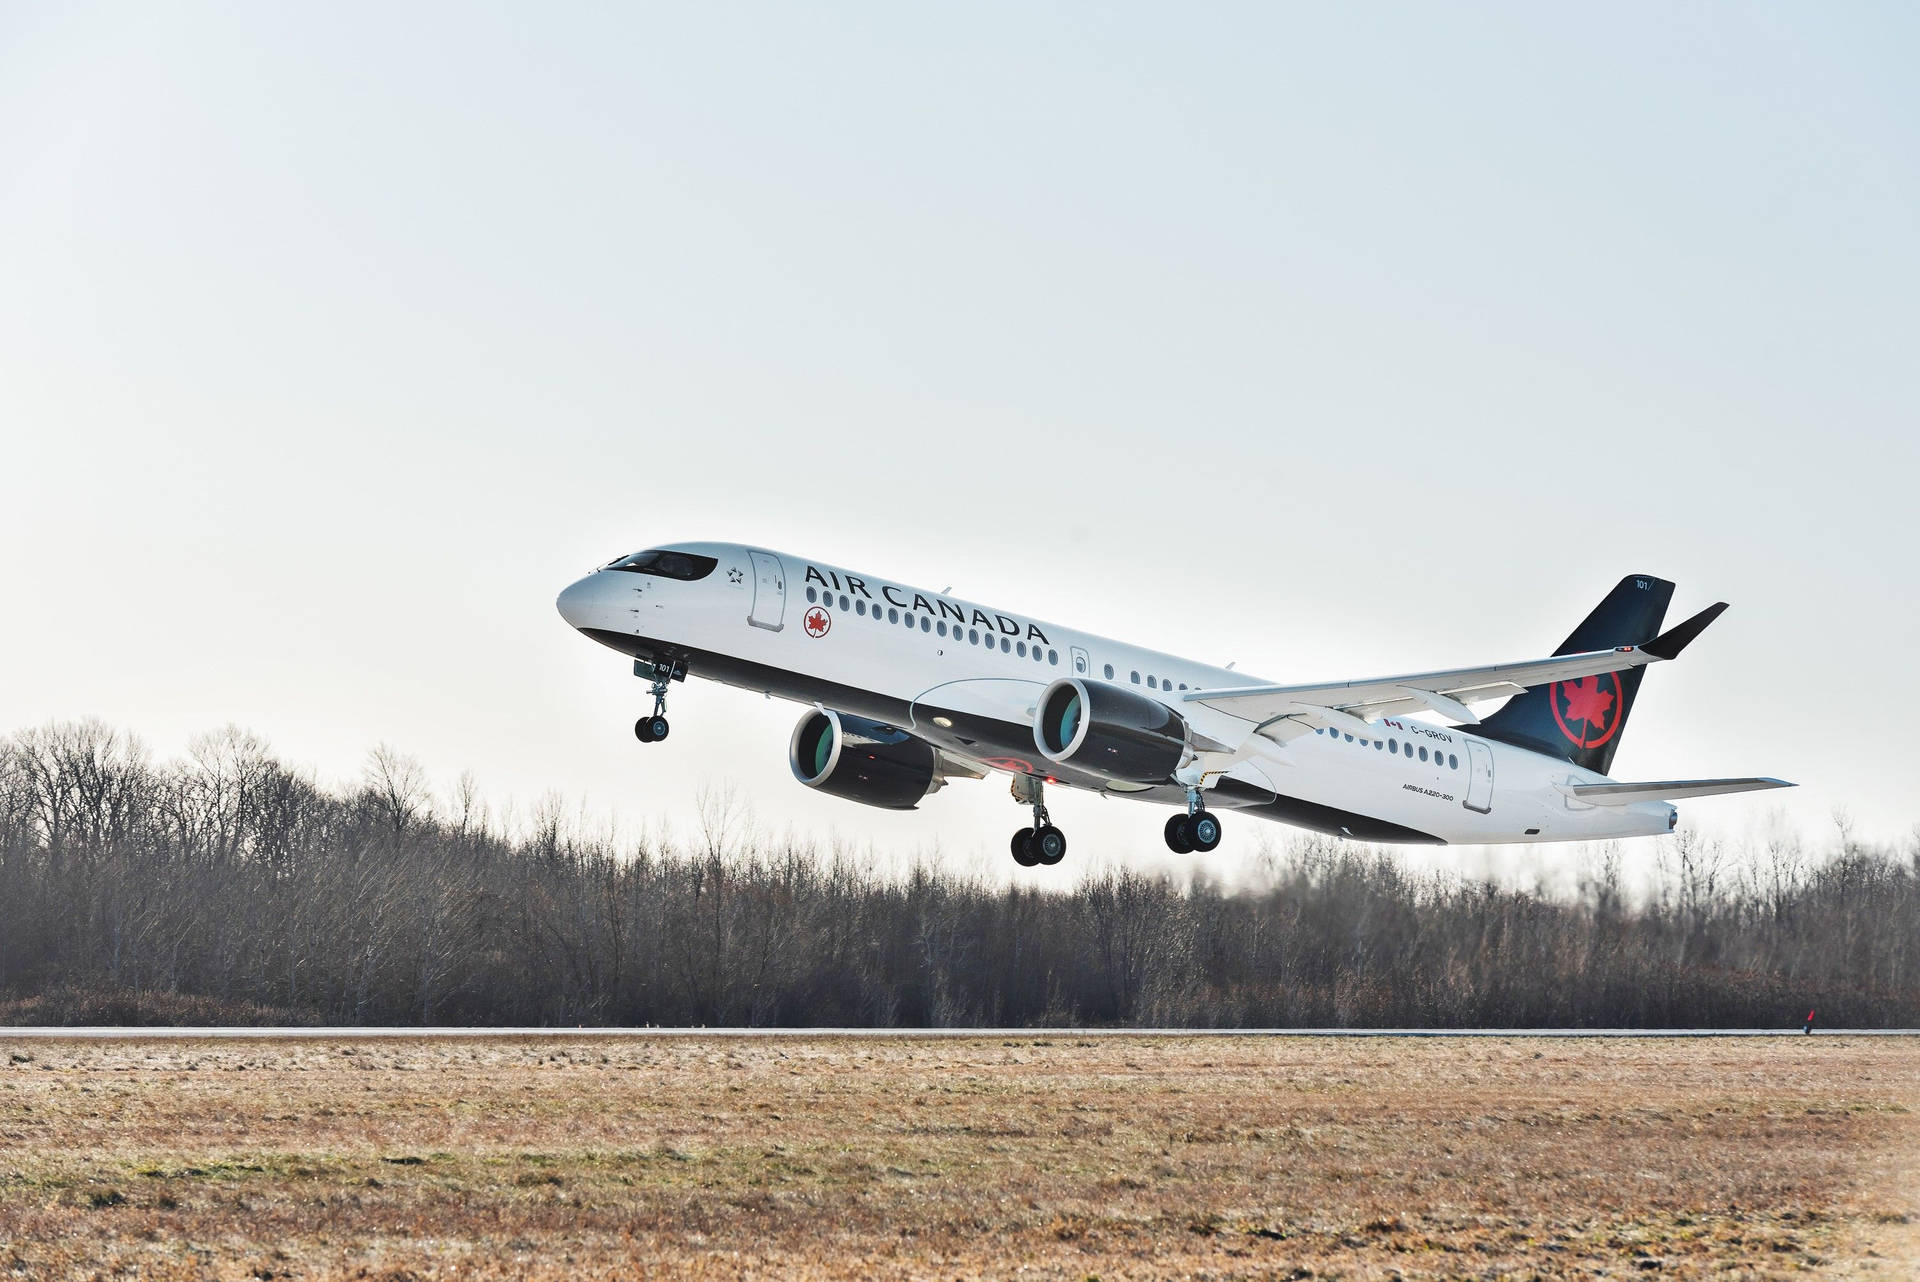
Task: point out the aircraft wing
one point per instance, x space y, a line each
1286 712
1625 794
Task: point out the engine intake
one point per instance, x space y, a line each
1109 731
863 761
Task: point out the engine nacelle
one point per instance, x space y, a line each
1110 731
863 761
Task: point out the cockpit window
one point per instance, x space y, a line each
666 564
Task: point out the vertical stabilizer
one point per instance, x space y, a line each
1581 720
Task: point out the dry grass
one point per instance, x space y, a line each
1048 1155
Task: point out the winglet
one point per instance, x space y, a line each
1670 643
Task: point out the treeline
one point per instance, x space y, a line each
228 886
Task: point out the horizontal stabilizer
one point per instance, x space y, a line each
1626 794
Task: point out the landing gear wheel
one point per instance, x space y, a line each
1178 840
654 728
1043 843
1023 852
1049 845
1203 830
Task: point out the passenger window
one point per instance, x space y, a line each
1022 648
1393 746
1151 683
1006 646
1349 738
1135 677
845 604
1453 762
859 607
893 615
942 629
926 624
1109 671
812 596
1423 754
973 636
1053 657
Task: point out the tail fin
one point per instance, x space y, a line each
1581 720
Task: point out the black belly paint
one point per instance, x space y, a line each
990 739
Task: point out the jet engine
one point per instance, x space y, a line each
863 761
1109 731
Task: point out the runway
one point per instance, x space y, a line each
107 1033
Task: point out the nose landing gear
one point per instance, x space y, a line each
1195 830
1043 843
654 728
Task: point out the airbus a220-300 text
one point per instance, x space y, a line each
910 689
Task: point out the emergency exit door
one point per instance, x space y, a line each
1480 777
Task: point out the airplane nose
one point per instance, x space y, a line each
575 601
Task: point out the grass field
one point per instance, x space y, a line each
1042 1156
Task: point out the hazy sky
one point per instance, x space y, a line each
1335 340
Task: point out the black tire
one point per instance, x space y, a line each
1177 839
1204 829
643 730
1023 852
657 729
1049 845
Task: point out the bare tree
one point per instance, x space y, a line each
398 787
228 885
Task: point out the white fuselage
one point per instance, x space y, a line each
967 677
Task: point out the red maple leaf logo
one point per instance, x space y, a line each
817 622
1587 702
1593 703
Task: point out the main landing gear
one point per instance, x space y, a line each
654 728
1195 830
1043 843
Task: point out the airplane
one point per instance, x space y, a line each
910 689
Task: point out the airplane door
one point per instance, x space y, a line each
1480 781
769 592
1082 666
